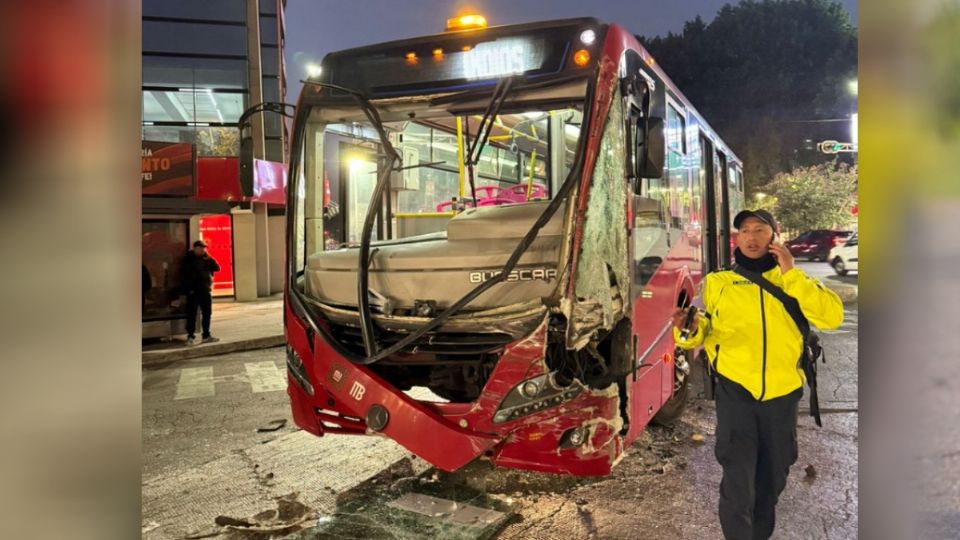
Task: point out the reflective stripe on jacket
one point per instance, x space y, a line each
748 335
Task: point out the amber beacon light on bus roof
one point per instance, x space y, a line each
467 22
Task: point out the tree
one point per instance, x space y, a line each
760 72
218 141
816 197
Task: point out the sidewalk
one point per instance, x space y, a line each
845 287
241 326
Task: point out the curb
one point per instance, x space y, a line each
149 358
847 293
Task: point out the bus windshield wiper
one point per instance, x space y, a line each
500 93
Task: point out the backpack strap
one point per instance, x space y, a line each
790 303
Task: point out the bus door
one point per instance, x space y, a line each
708 186
723 208
359 167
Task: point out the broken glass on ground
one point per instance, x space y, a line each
402 505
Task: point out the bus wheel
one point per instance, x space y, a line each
674 407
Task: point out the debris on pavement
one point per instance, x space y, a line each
438 507
224 521
811 472
697 438
288 517
272 425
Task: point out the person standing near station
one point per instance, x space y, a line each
197 271
754 345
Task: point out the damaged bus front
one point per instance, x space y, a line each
467 237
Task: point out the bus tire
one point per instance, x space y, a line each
674 407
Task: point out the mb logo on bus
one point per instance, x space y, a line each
532 274
357 391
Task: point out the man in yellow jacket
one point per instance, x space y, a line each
754 346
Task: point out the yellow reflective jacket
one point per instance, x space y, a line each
748 335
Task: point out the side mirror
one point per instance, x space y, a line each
246 160
650 149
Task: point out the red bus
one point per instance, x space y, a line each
488 231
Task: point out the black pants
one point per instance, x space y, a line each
756 445
202 300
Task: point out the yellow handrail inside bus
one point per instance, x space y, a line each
533 160
460 157
512 132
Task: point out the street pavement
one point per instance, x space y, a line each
846 287
819 270
204 457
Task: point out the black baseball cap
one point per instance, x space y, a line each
762 215
199 243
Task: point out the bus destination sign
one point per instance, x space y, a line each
500 58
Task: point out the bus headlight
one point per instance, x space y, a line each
576 436
532 396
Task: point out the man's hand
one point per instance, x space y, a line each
680 316
783 256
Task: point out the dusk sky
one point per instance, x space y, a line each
317 27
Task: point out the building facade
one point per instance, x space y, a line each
203 63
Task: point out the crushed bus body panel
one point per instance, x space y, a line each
451 435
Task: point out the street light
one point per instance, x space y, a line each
313 70
852 86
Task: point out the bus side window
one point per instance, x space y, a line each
650 225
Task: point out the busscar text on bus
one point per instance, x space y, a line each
488 230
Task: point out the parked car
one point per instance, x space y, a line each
844 258
816 245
